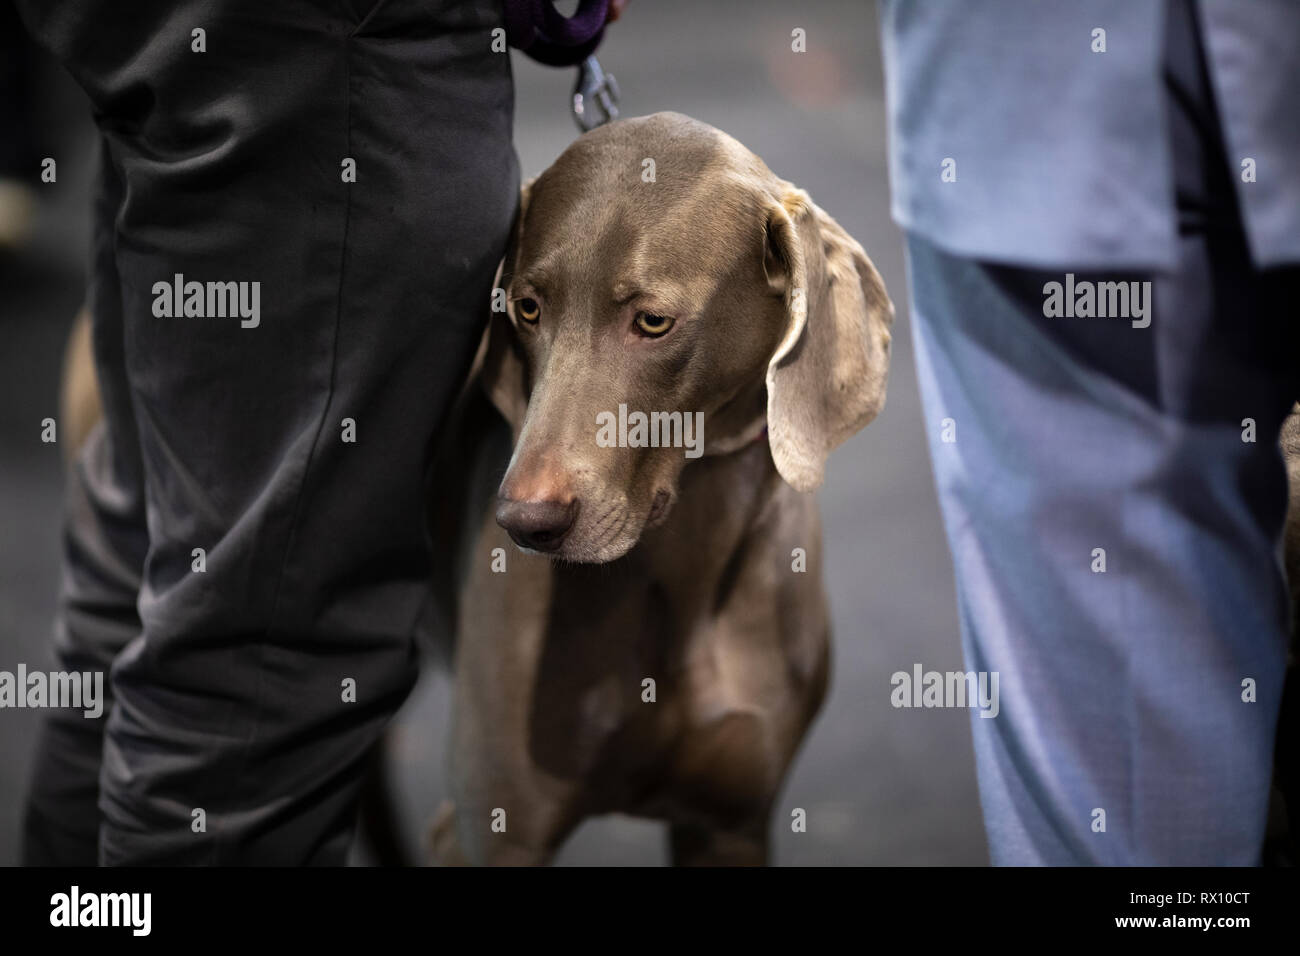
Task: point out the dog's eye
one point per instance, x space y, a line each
652 325
529 309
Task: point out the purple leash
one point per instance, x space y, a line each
549 37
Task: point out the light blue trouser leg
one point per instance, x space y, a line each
1121 690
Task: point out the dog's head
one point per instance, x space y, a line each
658 265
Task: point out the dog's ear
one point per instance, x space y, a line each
503 372
827 377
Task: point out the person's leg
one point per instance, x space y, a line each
1123 690
105 543
291 446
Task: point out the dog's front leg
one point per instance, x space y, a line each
444 847
695 845
495 848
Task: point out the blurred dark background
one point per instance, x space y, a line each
880 786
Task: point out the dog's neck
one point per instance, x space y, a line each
741 421
724 503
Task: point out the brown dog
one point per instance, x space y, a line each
659 649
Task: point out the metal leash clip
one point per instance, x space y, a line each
595 96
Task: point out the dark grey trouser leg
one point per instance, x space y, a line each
231 700
105 543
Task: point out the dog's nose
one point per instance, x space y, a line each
539 525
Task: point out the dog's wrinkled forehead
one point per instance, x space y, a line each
659 195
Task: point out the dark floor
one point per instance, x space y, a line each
879 785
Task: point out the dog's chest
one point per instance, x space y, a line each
658 682
656 703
